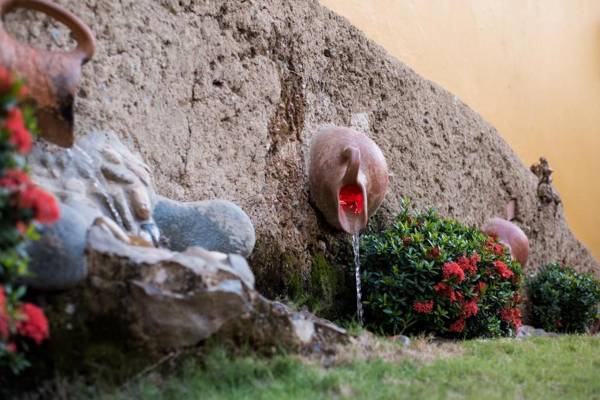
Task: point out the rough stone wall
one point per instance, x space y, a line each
221 99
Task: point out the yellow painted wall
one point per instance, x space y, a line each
530 67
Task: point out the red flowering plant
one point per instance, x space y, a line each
21 204
428 274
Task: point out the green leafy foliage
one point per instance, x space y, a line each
428 274
562 299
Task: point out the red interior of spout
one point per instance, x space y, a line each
351 199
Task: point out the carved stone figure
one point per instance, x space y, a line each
545 191
100 177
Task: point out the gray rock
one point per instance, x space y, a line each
527 331
57 259
167 300
405 340
216 225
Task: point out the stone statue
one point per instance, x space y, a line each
100 178
545 191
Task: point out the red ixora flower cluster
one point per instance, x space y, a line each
452 270
3 315
458 325
493 246
423 307
469 264
19 135
29 196
14 123
512 316
456 272
34 324
16 181
503 270
445 290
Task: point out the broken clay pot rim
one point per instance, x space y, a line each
86 43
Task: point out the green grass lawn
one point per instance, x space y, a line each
567 367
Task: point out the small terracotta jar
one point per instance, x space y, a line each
52 77
511 236
348 177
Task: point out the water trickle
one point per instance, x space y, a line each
98 180
356 248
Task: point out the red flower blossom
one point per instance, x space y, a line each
458 326
493 246
424 307
35 324
3 327
14 179
451 270
467 265
512 316
433 253
19 135
21 227
481 286
407 240
444 289
3 317
470 309
503 269
456 296
441 287
43 203
5 79
2 301
23 92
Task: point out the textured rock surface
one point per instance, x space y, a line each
222 98
167 300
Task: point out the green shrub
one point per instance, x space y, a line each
563 300
428 274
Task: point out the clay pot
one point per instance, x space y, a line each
52 77
348 177
511 236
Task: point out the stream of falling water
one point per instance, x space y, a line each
356 248
94 175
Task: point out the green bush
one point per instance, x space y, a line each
563 300
428 274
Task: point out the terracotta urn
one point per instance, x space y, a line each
348 177
52 77
511 236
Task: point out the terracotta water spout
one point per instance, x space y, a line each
511 236
348 177
52 77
